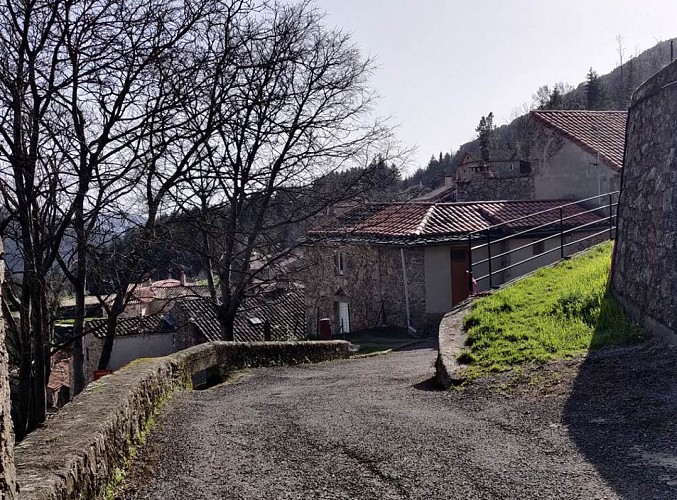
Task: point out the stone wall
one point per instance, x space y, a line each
372 284
481 187
75 454
7 471
645 269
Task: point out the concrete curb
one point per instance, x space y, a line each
452 339
75 454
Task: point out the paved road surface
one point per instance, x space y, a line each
372 428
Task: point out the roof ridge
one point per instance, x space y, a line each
424 221
592 111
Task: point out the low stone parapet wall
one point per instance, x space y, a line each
451 338
75 455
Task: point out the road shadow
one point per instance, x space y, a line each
429 385
622 415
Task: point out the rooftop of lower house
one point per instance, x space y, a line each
598 132
429 223
282 308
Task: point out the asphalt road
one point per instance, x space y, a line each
373 428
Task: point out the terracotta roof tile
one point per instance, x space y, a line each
419 223
599 132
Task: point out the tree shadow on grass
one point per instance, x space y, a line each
622 415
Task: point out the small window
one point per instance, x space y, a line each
340 263
511 166
538 247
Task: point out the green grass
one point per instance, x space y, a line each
558 312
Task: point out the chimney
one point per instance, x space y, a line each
448 182
182 278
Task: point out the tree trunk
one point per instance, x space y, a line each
111 324
78 329
40 360
7 470
226 322
107 349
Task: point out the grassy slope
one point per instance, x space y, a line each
558 312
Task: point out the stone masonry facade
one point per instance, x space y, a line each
482 187
645 269
372 284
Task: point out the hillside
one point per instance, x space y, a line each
509 140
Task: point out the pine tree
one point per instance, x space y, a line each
485 131
594 91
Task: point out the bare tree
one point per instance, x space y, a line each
119 54
83 85
290 103
33 180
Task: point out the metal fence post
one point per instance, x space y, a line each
489 256
611 220
561 235
470 287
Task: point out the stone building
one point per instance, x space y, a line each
407 264
573 154
576 154
495 179
645 265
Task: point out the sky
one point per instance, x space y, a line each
442 64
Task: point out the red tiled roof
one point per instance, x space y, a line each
598 132
434 222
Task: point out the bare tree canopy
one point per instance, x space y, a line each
114 115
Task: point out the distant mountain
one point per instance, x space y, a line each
512 139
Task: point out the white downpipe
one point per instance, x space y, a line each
406 292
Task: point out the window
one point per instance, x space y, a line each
538 247
340 263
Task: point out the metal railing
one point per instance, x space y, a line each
561 228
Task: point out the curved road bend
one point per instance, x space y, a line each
356 429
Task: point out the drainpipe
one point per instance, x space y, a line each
410 329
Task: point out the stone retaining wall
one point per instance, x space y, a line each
76 453
645 269
452 338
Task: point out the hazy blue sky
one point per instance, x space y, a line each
442 64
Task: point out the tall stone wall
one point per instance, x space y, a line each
645 269
7 469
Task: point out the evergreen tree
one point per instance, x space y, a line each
594 91
555 100
485 131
